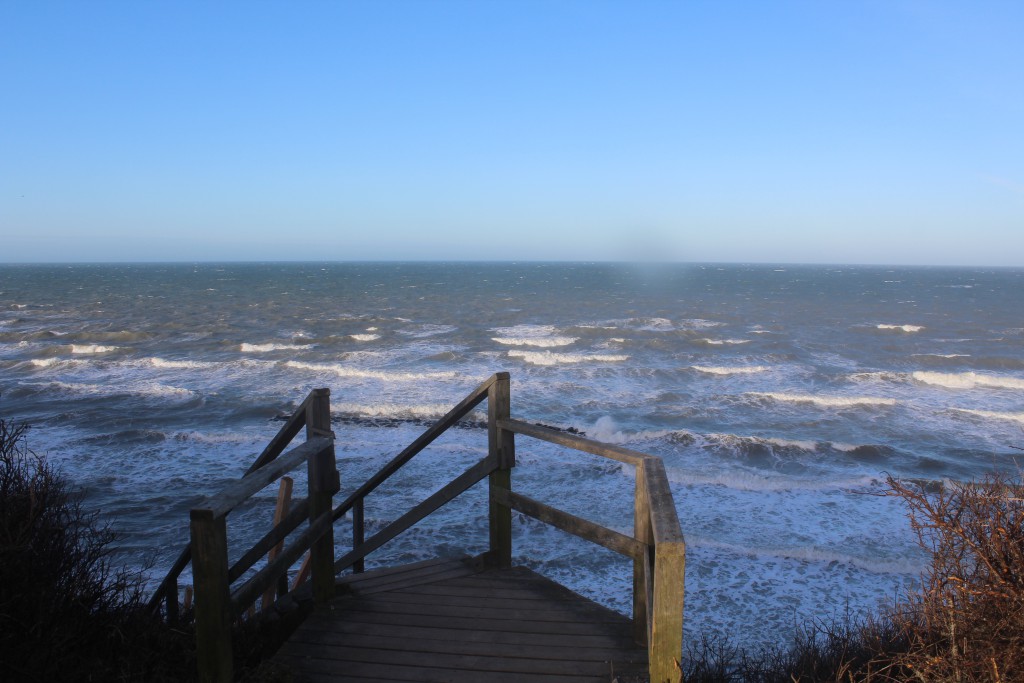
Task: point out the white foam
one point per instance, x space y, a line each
44 362
817 555
551 358
901 328
548 342
722 370
92 348
392 410
365 337
719 342
359 373
968 380
995 415
749 481
543 336
792 443
144 389
943 355
826 401
264 348
178 364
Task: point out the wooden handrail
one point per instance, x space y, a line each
216 608
163 593
574 441
475 398
447 493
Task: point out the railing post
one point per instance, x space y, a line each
664 648
358 533
212 600
643 533
323 483
502 452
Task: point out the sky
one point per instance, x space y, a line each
887 131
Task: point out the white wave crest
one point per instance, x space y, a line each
750 481
45 362
365 337
721 370
543 336
358 373
151 389
792 443
826 401
968 380
901 328
92 348
178 364
548 342
263 348
943 355
720 342
817 555
994 415
551 358
392 410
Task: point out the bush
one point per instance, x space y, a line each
964 623
967 621
66 613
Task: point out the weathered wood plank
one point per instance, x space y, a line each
572 614
457 486
579 443
392 584
227 499
411 568
587 641
213 610
458 644
482 665
577 526
507 625
643 533
324 482
296 516
664 518
335 672
245 594
284 499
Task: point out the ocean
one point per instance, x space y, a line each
779 397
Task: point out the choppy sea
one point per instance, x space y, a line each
779 398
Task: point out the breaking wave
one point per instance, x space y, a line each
968 380
357 373
901 328
826 401
741 370
263 348
552 358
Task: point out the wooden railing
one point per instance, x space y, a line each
217 606
656 546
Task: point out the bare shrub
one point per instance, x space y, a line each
966 623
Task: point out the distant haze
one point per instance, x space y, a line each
814 132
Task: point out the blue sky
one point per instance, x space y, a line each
823 132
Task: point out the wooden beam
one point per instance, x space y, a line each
296 516
573 441
475 398
323 483
501 450
577 526
455 487
642 533
284 497
213 613
235 493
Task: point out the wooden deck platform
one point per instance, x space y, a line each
459 621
